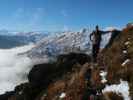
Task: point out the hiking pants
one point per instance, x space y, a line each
95 51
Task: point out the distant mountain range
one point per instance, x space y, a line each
14 39
11 41
49 44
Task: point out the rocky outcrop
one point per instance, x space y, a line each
43 74
7 95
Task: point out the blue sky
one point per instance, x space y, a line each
58 15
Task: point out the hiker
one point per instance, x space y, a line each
97 37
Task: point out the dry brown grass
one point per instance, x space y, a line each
113 57
72 84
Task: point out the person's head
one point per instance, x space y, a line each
97 28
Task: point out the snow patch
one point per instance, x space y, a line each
127 43
125 62
122 88
124 51
63 95
103 75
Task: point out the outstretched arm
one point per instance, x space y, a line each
105 32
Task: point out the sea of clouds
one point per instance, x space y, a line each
13 67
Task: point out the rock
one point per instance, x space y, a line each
6 95
43 74
80 58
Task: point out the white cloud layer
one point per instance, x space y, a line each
13 67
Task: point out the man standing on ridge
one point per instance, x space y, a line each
97 37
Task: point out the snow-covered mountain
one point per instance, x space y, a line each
63 43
